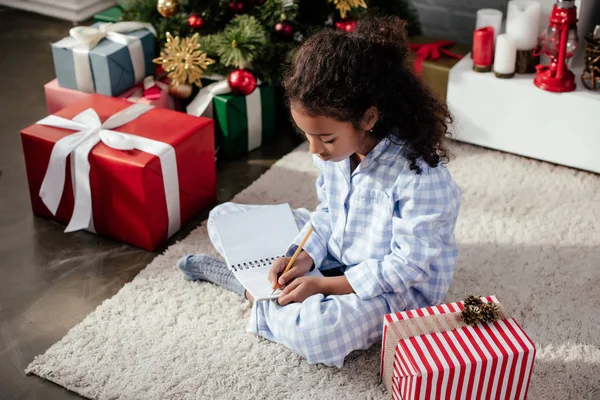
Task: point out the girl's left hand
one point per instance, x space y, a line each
300 289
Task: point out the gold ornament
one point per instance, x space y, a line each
167 8
183 61
344 6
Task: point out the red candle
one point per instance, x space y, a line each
483 49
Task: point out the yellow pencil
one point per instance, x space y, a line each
293 259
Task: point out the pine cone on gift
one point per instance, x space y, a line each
490 312
473 301
471 315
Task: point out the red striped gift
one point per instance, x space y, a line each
430 353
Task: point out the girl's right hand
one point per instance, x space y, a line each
301 266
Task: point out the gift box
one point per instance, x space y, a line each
432 60
431 353
242 123
113 14
58 97
105 58
141 172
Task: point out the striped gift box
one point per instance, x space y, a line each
430 353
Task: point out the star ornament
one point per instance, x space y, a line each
183 61
344 6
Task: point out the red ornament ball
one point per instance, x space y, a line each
347 25
195 21
284 29
236 6
242 82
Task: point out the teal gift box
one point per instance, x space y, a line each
109 66
242 123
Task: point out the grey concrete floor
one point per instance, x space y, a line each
49 280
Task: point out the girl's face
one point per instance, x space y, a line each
329 139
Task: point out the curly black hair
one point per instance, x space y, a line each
340 75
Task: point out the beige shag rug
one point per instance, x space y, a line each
529 232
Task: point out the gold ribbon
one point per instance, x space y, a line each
426 325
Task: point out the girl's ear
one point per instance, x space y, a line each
370 118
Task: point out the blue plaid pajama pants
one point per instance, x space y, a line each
322 329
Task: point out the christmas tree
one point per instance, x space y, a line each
257 35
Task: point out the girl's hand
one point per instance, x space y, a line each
300 289
301 266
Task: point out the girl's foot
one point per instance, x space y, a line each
206 268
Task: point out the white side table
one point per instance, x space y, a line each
515 116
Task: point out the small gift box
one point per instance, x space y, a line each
432 60
113 14
445 352
128 171
58 97
155 93
242 123
105 58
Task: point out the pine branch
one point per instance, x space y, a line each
268 67
216 14
208 44
273 11
242 41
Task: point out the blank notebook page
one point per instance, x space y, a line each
252 240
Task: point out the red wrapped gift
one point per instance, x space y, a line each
431 353
150 91
148 171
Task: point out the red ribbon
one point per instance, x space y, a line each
149 89
431 51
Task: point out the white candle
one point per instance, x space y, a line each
505 56
523 22
489 17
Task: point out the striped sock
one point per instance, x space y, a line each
206 268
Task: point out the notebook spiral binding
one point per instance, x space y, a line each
265 262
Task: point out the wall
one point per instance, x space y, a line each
453 19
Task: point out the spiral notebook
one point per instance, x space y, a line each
252 240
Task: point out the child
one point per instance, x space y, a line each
384 229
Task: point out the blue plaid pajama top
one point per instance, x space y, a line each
392 233
391 228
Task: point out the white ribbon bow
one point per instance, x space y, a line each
90 131
84 38
200 106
